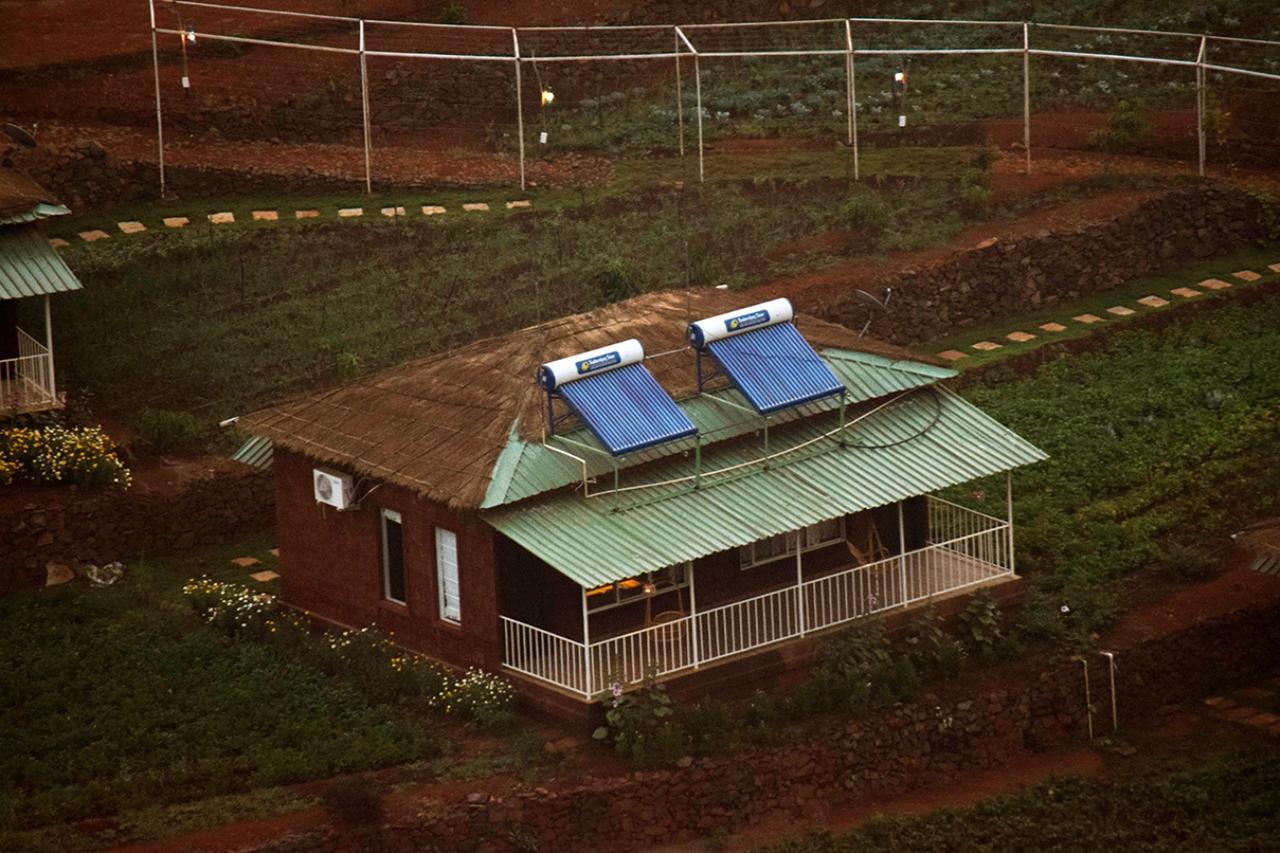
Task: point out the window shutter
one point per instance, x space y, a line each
447 575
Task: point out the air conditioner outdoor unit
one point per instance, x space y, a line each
332 488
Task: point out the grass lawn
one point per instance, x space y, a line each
120 702
1226 801
1127 294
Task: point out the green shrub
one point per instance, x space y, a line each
163 431
929 647
82 456
982 624
641 726
1187 564
1125 130
617 280
865 210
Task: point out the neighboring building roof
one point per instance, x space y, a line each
441 425
29 266
926 440
23 200
255 452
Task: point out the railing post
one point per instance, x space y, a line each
679 93
902 554
515 46
693 617
852 79
1200 57
586 649
155 67
48 345
364 106
697 76
800 602
1008 496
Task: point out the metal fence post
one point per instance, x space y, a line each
697 75
586 648
1200 140
902 554
679 92
155 66
364 103
800 602
1008 498
515 45
1026 92
851 61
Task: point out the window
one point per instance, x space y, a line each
784 544
633 588
447 575
392 557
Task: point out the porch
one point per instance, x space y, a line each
27 381
958 549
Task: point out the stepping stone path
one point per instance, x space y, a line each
176 222
393 211
265 215
1214 284
1254 707
476 206
1153 301
305 214
952 355
1120 310
223 218
1274 267
1053 327
90 236
987 346
245 562
131 227
275 552
1185 292
512 205
432 209
1020 337
264 576
58 242
1087 318
348 212
1246 275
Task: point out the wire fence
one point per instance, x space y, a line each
414 100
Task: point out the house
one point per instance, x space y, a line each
30 268
651 488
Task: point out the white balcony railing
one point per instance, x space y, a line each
26 382
966 548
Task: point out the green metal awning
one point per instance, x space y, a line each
528 468
256 451
29 266
925 441
41 210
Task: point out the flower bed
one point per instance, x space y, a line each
82 456
384 671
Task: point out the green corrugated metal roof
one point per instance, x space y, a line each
924 442
526 469
257 451
29 266
42 210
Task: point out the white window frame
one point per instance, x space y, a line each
746 554
448 575
384 516
609 595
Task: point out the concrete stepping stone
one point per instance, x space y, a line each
265 215
1274 267
1087 318
306 214
987 243
1215 284
1222 703
987 346
176 222
1263 720
1240 713
275 552
223 218
131 227
432 210
1053 327
90 236
245 562
1020 337
58 242
475 206
512 205
348 212
952 355
264 576
1185 292
1121 310
1246 275
1153 301
391 212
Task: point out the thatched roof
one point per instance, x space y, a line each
437 425
20 195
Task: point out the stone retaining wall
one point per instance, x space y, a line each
1011 276
924 742
70 526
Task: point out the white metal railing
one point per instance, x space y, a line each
27 381
966 548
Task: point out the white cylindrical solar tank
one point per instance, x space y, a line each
730 323
553 374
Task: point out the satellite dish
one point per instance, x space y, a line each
20 136
874 305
